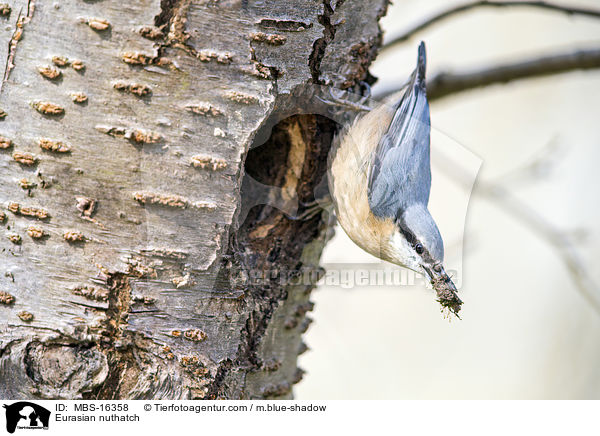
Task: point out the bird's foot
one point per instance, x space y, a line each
312 208
343 98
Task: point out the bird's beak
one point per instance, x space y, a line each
445 289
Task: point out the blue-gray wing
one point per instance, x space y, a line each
400 172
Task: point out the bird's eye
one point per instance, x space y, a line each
419 248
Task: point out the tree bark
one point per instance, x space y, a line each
127 270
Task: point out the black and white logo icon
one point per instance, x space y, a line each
26 416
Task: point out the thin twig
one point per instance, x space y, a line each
495 4
538 224
563 244
446 83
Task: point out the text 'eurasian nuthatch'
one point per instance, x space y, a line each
380 179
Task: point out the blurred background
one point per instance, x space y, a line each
527 269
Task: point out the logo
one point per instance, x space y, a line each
26 415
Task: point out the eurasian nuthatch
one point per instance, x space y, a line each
380 179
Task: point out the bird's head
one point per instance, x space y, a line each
416 243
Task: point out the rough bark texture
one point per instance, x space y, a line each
125 269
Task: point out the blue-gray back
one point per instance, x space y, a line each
400 173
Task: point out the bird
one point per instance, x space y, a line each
379 177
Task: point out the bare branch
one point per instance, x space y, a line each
446 83
495 4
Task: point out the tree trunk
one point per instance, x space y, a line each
128 269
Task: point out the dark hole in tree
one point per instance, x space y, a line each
275 236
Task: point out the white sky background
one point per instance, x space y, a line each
526 332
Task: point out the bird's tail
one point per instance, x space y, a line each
421 66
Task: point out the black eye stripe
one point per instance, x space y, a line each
412 239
